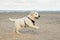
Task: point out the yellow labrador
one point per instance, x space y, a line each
28 21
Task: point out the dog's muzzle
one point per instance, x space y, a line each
37 17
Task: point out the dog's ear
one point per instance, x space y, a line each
31 13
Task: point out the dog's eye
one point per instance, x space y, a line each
35 14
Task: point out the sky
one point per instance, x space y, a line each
42 5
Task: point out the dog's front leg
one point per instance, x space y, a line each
31 25
35 27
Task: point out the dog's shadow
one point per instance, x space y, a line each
29 31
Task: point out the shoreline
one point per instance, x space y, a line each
49 24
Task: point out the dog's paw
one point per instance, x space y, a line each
37 28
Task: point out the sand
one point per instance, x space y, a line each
49 24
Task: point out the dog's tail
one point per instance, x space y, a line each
12 19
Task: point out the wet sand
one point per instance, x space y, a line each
49 24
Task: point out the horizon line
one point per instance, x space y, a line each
29 10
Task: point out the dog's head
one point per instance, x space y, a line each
34 15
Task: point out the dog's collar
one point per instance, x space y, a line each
32 20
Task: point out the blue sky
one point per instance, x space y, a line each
52 5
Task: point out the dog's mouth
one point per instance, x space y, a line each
37 17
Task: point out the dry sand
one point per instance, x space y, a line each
49 24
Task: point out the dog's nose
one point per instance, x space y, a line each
39 15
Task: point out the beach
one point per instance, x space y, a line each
49 24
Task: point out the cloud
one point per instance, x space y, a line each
29 5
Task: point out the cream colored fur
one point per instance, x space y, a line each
20 23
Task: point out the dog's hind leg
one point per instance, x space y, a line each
17 29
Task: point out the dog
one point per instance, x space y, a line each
27 21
